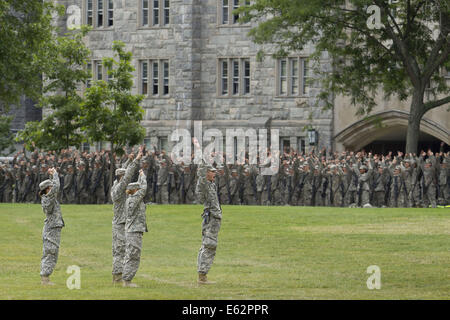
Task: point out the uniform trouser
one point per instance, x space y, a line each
351 197
51 238
207 252
365 197
444 194
132 258
378 198
118 247
429 196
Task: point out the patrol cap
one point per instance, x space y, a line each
211 168
45 184
234 171
133 186
44 165
120 172
428 160
81 164
364 167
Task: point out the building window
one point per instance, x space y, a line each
99 13
147 143
98 70
89 69
110 13
163 143
292 74
160 13
226 8
144 77
234 73
158 70
89 12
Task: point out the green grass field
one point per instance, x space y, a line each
263 253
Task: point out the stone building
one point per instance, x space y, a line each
194 61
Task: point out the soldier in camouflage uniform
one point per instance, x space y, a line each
162 182
53 223
429 179
206 192
119 197
97 183
135 226
234 187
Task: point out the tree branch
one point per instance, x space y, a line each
437 103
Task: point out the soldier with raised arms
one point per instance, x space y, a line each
206 193
119 197
135 226
53 223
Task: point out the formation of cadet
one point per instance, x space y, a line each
315 178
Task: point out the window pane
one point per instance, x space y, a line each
99 71
235 6
224 72
246 76
166 78
110 12
166 11
99 13
294 76
305 76
235 64
144 77
89 69
155 66
155 12
283 78
225 12
145 12
89 12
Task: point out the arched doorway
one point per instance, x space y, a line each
386 131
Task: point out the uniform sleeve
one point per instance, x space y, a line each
56 185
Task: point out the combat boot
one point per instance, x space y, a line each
46 281
117 278
128 284
203 279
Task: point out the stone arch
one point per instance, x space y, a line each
363 132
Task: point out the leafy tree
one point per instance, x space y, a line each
61 128
399 47
111 112
25 31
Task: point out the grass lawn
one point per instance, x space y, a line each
263 253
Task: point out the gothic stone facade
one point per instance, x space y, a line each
194 62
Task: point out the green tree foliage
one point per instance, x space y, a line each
60 129
25 31
404 56
111 112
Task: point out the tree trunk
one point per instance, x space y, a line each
416 113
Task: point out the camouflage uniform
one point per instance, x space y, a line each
119 197
53 223
135 226
206 193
